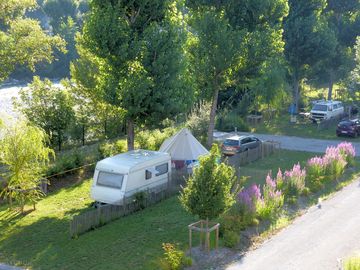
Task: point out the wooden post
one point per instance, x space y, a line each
190 242
201 233
208 240
217 237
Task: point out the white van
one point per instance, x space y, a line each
125 174
324 110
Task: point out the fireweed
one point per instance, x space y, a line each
335 162
316 169
247 199
272 200
347 150
294 180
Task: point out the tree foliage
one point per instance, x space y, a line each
231 42
24 152
143 71
22 40
47 107
208 191
308 39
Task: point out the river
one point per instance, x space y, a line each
7 93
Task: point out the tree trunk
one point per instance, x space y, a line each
331 84
83 135
296 92
59 141
212 118
130 134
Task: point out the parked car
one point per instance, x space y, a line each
324 110
348 128
237 144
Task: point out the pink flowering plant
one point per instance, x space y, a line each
247 200
347 150
294 181
335 162
270 205
316 170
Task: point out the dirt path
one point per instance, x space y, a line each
319 239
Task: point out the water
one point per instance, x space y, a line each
8 92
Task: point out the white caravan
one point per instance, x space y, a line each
125 174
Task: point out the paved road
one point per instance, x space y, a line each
317 240
301 144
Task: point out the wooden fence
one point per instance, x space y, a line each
267 148
102 215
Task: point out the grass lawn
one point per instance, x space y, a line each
40 240
284 159
303 128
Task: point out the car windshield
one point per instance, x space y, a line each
231 142
319 107
345 124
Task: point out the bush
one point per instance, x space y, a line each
228 121
347 150
152 140
174 258
109 149
66 162
231 239
232 222
198 121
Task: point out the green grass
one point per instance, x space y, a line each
40 240
303 128
284 159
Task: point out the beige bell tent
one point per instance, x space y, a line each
183 146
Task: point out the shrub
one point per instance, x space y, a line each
231 239
152 140
272 201
174 258
109 149
65 162
228 121
294 181
198 121
232 222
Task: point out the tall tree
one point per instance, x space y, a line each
307 39
141 46
214 56
343 18
22 40
232 41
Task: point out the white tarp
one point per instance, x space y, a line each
183 146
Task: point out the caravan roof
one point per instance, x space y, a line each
130 161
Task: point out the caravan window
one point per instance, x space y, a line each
148 174
110 180
162 169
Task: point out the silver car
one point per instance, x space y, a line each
237 144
